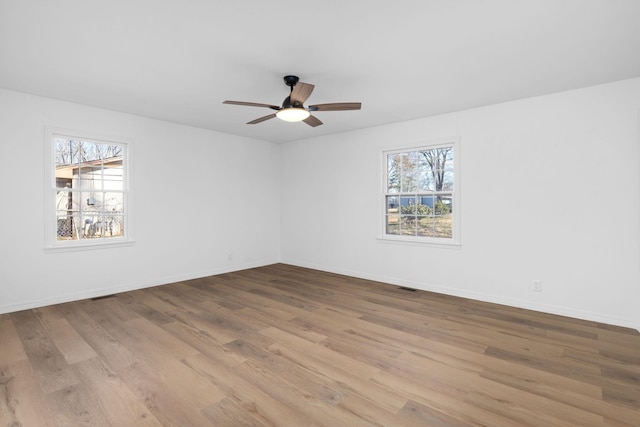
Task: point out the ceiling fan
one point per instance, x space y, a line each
292 109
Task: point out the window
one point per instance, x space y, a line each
88 192
420 199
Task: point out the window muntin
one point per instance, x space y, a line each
89 183
420 203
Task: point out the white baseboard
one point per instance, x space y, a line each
512 302
545 308
94 293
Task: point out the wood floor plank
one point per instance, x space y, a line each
538 384
361 349
169 393
422 331
100 333
149 342
258 403
306 382
442 397
72 346
416 414
318 351
51 369
312 407
376 415
288 346
204 343
227 413
353 376
520 400
119 404
247 299
146 311
11 349
22 401
77 405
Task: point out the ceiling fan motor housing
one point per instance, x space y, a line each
287 103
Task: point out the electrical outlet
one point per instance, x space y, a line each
230 256
536 286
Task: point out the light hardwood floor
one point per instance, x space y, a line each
287 346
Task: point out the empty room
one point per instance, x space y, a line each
356 213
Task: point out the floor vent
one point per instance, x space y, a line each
103 297
407 289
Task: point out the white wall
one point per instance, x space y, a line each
550 190
224 193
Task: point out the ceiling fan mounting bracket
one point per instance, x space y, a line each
291 81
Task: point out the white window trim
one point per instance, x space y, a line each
51 243
455 241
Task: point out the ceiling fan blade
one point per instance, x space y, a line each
301 92
312 121
251 104
336 106
261 119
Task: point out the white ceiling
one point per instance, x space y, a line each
177 60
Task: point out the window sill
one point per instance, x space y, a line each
418 241
76 246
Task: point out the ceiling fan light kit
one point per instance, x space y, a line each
293 114
292 109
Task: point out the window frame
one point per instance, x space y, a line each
452 242
52 244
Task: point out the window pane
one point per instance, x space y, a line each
443 226
409 177
444 218
64 202
434 164
66 226
393 173
90 225
392 204
76 152
426 181
408 225
92 201
408 205
113 202
83 174
429 160
62 151
113 225
95 151
96 226
447 182
426 227
444 205
63 173
428 202
113 174
448 156
393 224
